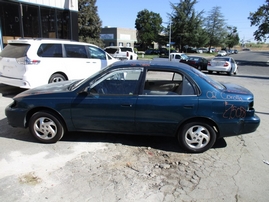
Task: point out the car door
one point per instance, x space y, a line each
109 104
168 100
98 58
78 65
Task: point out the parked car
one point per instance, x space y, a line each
190 50
176 57
203 50
28 63
223 64
197 62
152 52
138 97
122 52
222 53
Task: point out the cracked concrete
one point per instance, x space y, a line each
103 167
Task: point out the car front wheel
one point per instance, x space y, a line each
196 137
46 127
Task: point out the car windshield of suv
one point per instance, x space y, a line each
15 50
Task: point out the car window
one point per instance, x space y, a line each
119 82
15 50
163 83
75 51
50 50
220 59
97 53
125 49
184 57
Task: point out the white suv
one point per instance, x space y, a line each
27 63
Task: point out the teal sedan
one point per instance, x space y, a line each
142 98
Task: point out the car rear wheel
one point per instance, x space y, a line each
196 137
57 78
230 73
46 127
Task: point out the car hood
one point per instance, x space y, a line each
51 88
234 88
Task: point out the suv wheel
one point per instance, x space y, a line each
57 78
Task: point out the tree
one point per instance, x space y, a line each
261 19
232 37
148 26
186 24
89 23
215 26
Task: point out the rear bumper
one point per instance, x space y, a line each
243 126
14 82
218 69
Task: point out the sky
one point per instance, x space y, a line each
123 13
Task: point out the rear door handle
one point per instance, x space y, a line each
188 106
126 105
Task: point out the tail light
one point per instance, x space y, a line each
226 64
27 61
208 64
127 54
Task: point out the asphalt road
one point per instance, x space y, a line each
102 167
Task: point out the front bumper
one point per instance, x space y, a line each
16 117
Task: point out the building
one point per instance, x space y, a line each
113 36
38 19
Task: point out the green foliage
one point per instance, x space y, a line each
148 25
232 37
186 24
215 26
261 19
89 23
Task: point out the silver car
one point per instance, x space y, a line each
223 64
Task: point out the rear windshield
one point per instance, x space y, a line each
111 50
15 50
126 49
221 59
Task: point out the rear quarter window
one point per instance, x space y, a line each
15 50
50 50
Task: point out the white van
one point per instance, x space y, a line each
27 63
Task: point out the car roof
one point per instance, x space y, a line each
117 47
46 40
161 65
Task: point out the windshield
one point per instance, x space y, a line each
15 50
208 79
76 85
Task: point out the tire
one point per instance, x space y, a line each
230 73
46 127
57 78
236 72
196 137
